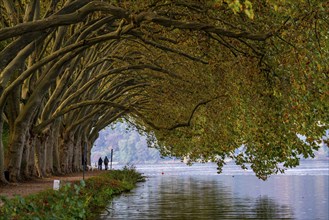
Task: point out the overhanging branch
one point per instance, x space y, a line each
72 107
178 125
62 19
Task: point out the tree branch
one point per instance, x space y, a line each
165 48
178 125
197 26
72 107
59 20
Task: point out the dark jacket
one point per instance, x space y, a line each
100 161
106 160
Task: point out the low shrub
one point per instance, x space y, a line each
72 201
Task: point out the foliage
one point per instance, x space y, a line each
257 105
201 78
72 201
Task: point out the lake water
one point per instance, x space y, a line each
177 191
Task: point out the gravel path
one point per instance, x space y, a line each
37 185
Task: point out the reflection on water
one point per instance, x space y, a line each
198 193
199 197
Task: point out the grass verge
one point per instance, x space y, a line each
73 201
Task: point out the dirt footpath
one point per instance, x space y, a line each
37 185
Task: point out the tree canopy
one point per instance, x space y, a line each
203 79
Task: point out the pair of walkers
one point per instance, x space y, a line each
100 163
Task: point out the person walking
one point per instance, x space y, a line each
106 163
100 163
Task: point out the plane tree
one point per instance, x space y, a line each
232 76
268 94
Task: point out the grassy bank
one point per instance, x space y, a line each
84 200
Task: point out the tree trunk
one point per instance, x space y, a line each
41 152
70 147
66 153
29 158
16 146
89 146
49 156
26 157
32 167
77 155
2 156
55 140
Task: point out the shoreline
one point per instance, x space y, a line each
75 199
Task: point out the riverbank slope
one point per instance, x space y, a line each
74 200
